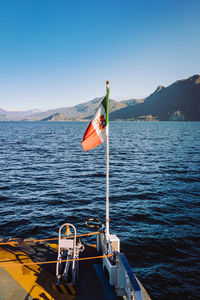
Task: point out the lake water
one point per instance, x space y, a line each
46 179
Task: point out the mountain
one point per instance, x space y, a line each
84 111
79 112
16 115
2 111
56 117
177 102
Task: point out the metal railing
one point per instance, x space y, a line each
126 282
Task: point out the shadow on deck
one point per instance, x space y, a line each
37 281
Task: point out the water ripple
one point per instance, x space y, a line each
47 179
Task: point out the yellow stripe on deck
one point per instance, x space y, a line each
72 289
54 246
26 276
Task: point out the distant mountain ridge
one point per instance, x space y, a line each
16 115
178 102
80 112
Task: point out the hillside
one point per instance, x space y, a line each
178 102
17 115
79 112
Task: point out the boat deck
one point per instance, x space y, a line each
21 281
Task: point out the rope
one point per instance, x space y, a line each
51 239
53 261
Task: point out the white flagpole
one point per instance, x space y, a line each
107 162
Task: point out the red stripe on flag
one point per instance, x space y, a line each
90 139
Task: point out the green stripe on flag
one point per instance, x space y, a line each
107 109
104 104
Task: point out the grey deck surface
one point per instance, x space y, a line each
89 282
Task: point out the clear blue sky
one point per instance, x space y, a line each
56 53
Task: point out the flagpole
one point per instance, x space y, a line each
107 161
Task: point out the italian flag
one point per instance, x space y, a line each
96 131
